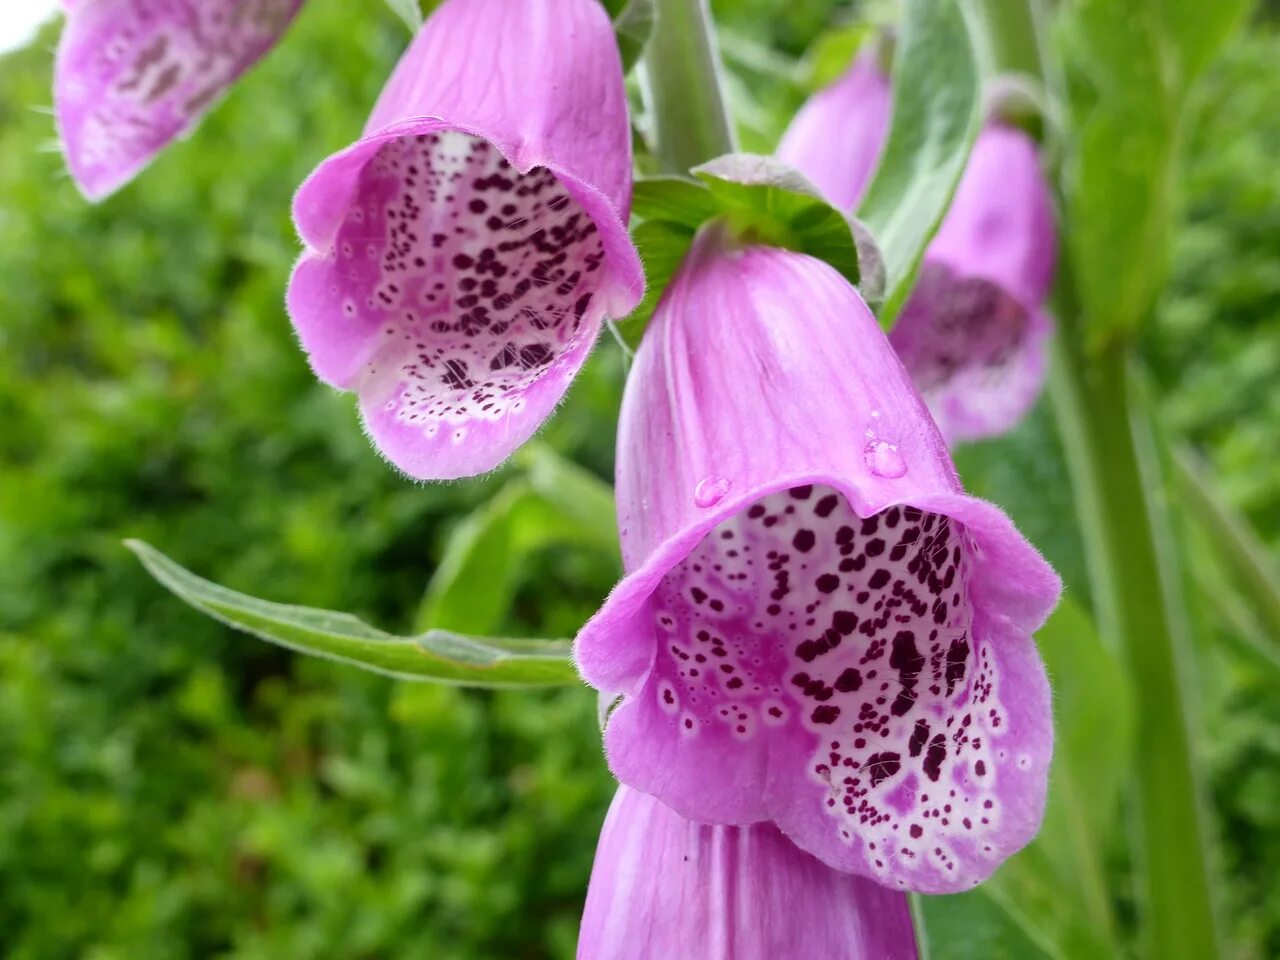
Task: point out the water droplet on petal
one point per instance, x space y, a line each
710 491
884 460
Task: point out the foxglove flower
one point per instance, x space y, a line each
664 887
836 138
818 627
132 75
974 333
462 255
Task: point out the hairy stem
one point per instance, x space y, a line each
681 73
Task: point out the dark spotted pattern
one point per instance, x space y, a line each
959 322
856 634
169 62
478 277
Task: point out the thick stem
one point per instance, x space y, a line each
1119 496
1120 503
682 85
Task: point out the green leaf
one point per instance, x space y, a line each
975 926
578 494
1240 575
1133 65
488 553
676 200
937 110
438 656
765 198
408 11
662 245
762 200
831 54
633 25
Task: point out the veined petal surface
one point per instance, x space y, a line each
665 887
463 254
818 627
132 75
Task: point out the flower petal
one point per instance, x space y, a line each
132 75
819 628
837 136
666 887
463 254
1000 226
978 355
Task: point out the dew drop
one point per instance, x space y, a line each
710 491
884 460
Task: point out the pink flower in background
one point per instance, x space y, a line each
132 75
463 254
818 627
836 138
664 887
975 332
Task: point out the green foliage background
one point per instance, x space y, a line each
171 790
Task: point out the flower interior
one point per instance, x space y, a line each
798 626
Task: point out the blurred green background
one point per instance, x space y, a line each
169 789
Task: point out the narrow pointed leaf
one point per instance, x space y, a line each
937 110
438 656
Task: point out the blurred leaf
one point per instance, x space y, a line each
488 554
1132 64
578 494
1236 546
632 23
833 52
937 110
437 655
408 11
975 926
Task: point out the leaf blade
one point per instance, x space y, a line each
937 110
437 656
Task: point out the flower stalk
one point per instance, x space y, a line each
1119 496
681 72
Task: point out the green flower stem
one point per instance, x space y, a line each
682 86
1120 502
1120 499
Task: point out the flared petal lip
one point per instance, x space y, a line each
319 209
1024 600
962 422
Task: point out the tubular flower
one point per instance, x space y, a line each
974 332
132 75
665 887
836 138
818 627
462 254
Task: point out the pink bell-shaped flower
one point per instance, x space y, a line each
132 75
664 887
818 627
462 255
974 333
